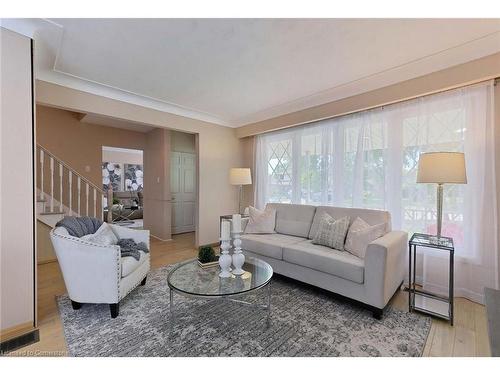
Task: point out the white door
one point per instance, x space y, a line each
183 190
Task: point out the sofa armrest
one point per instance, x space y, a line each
91 271
138 235
385 266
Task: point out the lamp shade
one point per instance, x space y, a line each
240 176
442 167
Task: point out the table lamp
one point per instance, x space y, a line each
441 168
240 177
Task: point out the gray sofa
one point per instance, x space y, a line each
290 251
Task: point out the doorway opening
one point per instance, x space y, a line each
123 183
183 185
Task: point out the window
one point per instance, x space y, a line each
370 160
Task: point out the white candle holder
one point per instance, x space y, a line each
225 259
238 256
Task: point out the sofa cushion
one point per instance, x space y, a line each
129 264
293 219
270 245
372 217
321 258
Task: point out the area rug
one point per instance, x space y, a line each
306 321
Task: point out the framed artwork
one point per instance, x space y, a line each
134 177
111 174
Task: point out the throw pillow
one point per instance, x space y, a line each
261 221
103 236
331 232
360 235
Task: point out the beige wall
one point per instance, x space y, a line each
122 157
182 142
474 71
157 205
79 144
17 248
218 148
45 250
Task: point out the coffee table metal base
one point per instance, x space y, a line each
266 306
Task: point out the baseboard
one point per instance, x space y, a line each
158 238
17 330
18 342
46 261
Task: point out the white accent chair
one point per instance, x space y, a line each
95 273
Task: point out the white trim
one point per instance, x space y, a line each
119 149
91 87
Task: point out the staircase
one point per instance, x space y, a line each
61 191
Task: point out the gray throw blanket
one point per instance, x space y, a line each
80 226
129 248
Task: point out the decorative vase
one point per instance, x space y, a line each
225 259
238 257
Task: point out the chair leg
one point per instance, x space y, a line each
377 313
114 309
143 282
76 305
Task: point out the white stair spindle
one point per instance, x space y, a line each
51 184
42 154
70 195
102 206
95 203
79 194
60 188
87 198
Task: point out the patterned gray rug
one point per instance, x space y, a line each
305 322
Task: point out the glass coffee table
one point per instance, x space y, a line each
190 280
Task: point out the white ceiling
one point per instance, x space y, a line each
237 71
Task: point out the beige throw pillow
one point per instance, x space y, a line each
261 221
360 235
331 232
103 236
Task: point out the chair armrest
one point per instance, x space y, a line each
138 235
91 271
385 266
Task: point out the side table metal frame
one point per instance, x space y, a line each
412 291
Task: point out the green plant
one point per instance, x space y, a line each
206 254
116 201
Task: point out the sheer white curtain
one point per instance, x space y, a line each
369 159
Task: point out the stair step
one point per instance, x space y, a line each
53 213
41 200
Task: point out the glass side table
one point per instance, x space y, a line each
422 300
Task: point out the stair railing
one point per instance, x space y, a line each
61 186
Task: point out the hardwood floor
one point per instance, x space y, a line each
468 337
